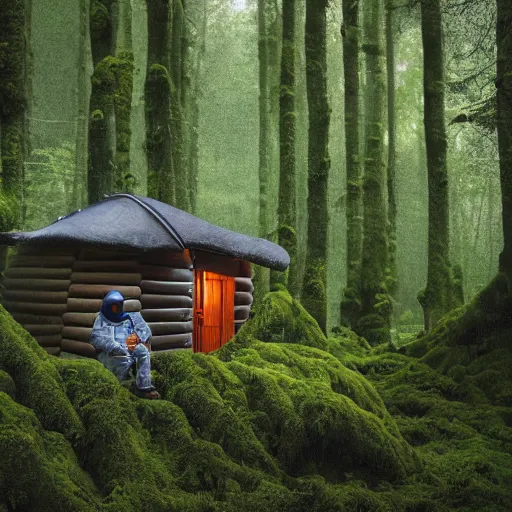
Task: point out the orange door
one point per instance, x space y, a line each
214 310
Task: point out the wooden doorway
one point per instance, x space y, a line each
214 310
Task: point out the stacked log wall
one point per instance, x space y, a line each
167 299
56 296
95 273
244 289
35 293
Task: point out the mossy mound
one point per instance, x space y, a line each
472 344
296 403
255 426
281 319
464 441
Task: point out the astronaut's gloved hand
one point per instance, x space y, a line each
132 341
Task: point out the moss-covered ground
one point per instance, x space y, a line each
280 419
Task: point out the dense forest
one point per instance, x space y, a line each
371 139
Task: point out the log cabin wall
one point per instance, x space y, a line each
167 286
243 295
94 274
36 292
56 295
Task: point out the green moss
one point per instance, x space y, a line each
99 19
7 384
255 426
8 212
306 406
158 92
281 319
38 384
38 469
314 292
12 58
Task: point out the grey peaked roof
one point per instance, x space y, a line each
135 222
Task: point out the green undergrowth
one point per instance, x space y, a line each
280 419
451 401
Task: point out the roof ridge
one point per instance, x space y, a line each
170 229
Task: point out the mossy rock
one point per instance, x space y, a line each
282 319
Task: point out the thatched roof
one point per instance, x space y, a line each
124 221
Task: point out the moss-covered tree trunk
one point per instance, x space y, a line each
161 178
124 180
351 301
14 85
438 297
314 296
392 277
262 274
111 97
504 96
286 210
14 92
374 323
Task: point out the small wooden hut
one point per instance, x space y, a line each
190 280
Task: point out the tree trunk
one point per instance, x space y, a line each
102 132
504 95
262 274
78 198
177 129
193 107
351 302
161 178
392 277
111 97
14 93
286 211
124 181
314 295
301 149
103 29
439 296
374 323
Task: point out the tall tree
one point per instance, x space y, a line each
504 97
161 178
179 91
351 302
392 278
287 215
314 295
14 85
439 296
374 323
78 197
195 58
111 97
262 277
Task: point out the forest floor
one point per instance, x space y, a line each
280 419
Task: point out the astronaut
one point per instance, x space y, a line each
121 340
